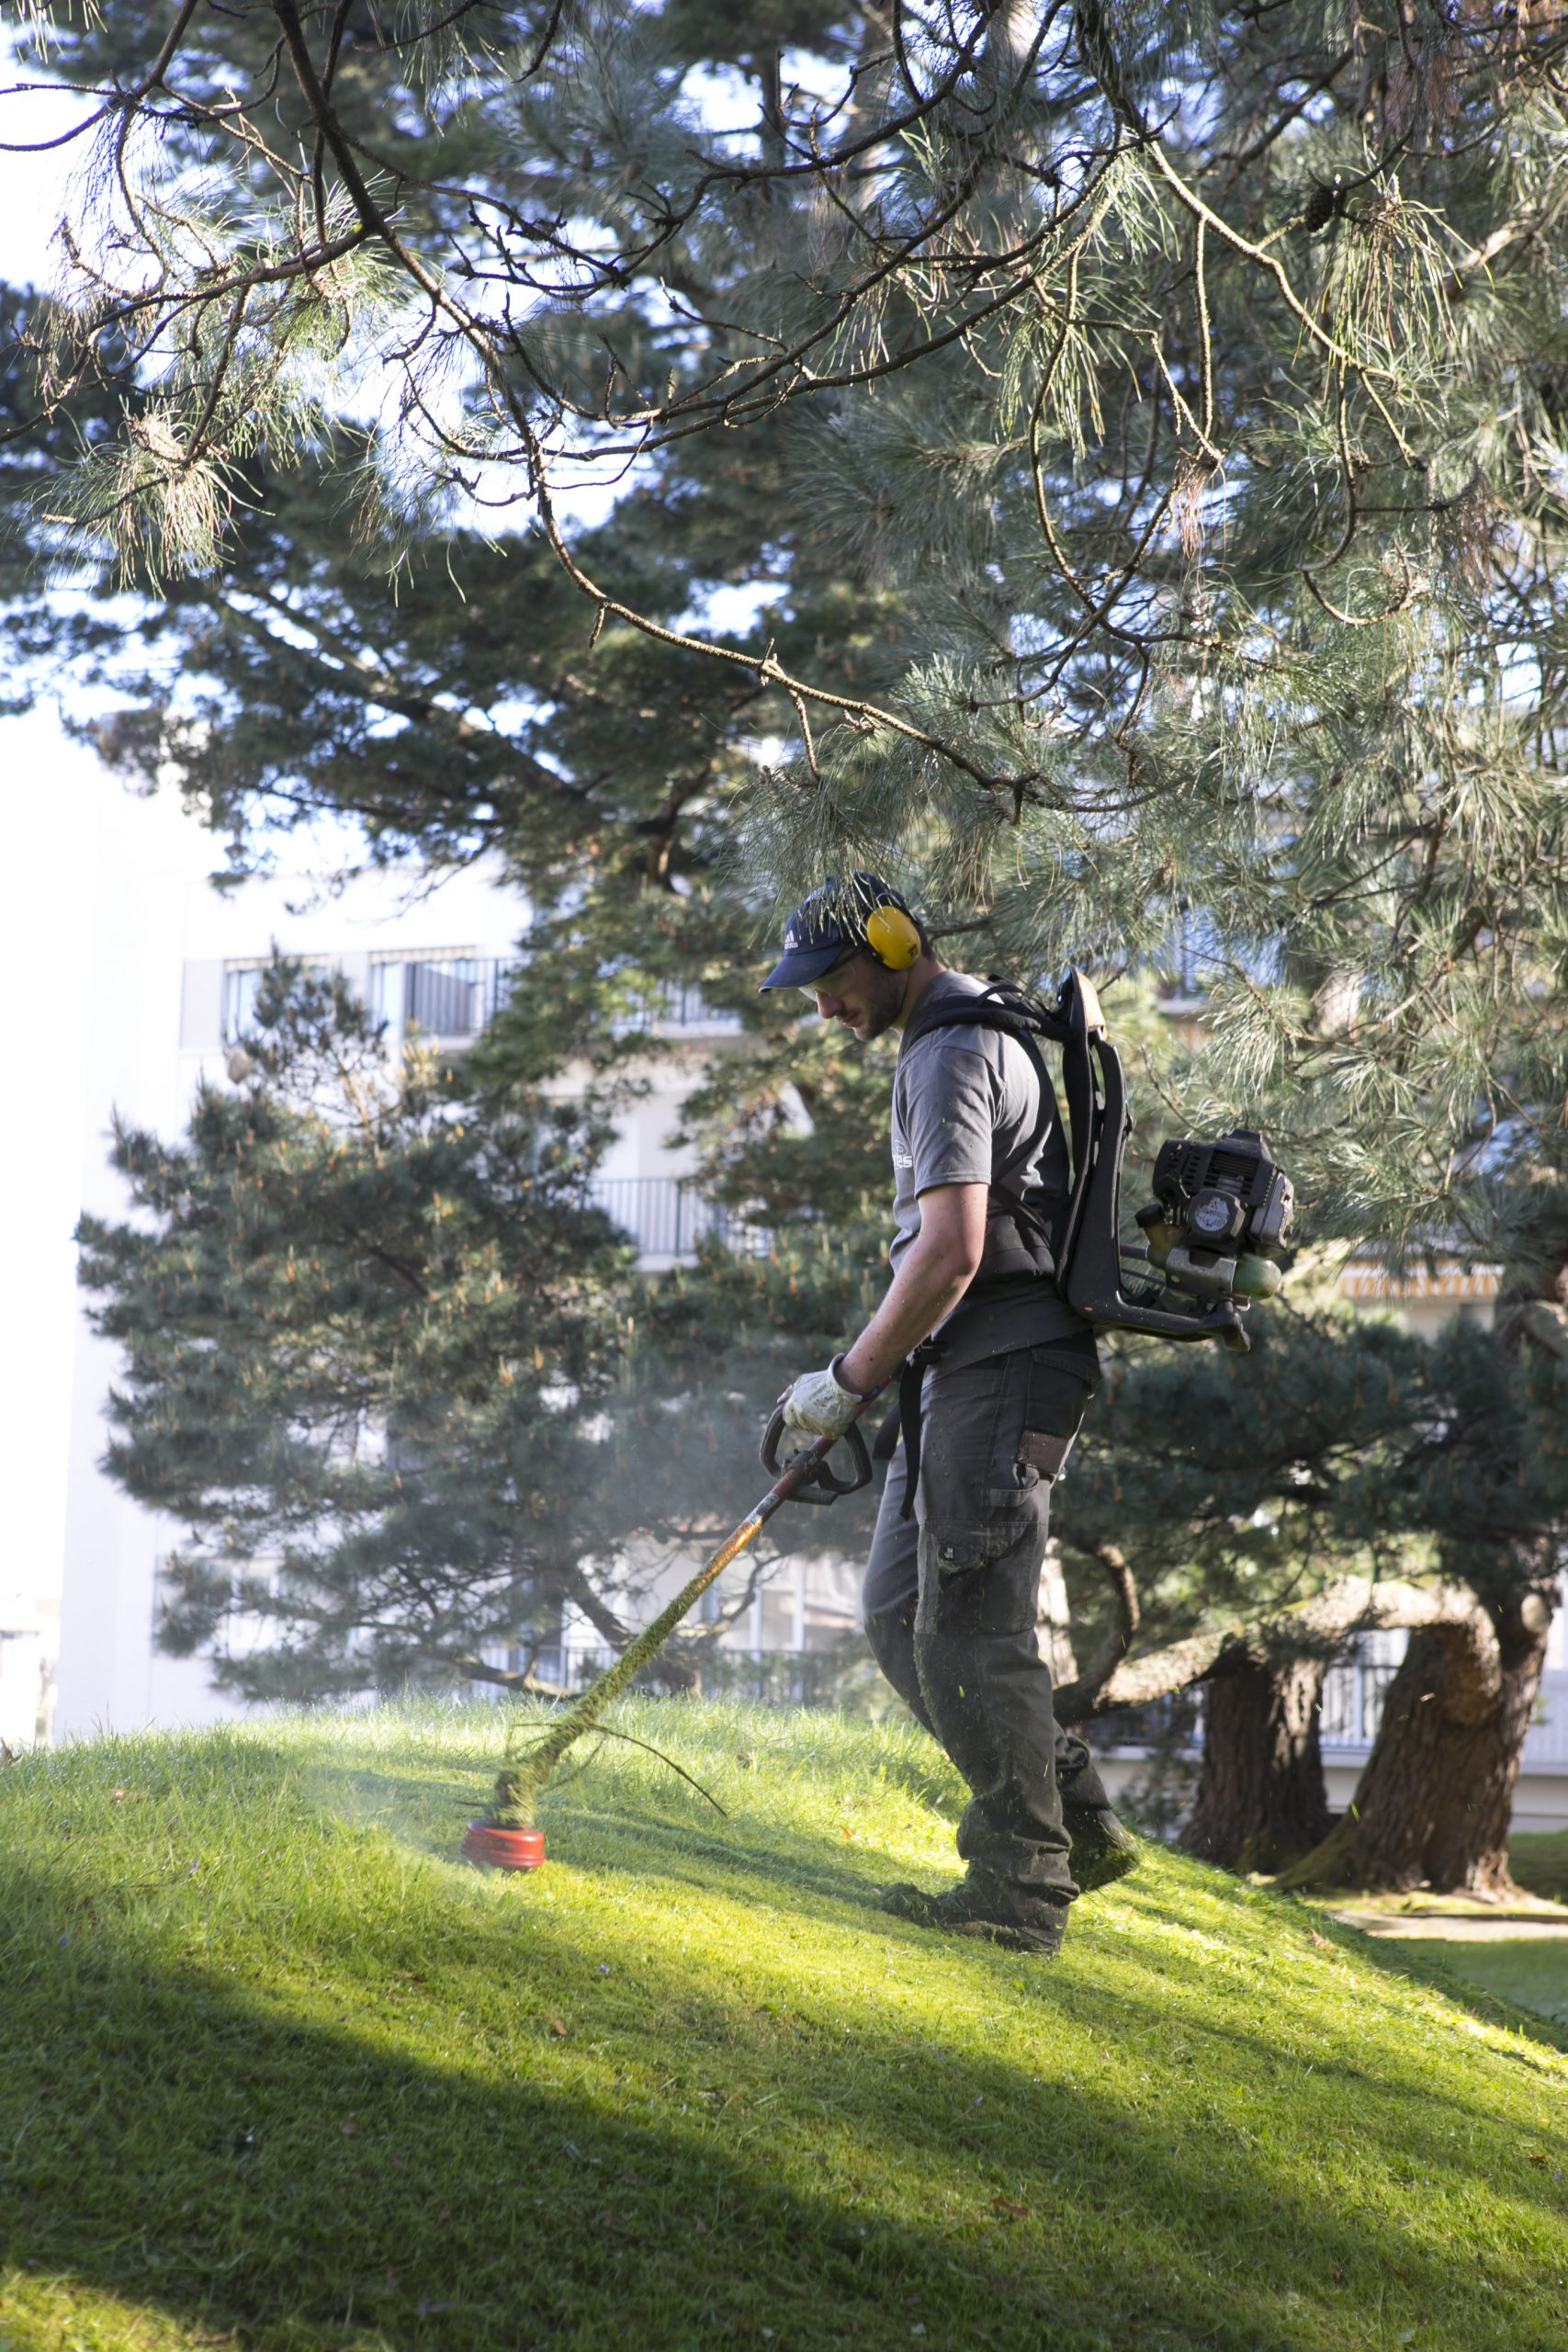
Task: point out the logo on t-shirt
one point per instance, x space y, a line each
903 1160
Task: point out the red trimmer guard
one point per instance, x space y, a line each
505 1849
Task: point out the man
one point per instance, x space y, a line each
951 1585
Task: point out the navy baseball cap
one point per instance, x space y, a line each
829 925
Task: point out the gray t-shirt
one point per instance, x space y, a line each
966 1111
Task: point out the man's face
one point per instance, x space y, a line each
862 994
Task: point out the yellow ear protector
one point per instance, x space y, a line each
891 938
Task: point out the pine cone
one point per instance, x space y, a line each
1321 207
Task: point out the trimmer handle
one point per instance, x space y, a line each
821 1485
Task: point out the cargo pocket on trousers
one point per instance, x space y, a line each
1044 1453
1008 1524
961 1550
987 1580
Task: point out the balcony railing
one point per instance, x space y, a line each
449 998
1353 1697
442 997
677 1008
668 1219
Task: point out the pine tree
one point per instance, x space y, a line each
1220 588
389 1371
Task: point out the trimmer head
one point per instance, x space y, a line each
505 1849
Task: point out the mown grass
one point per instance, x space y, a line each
1539 1862
1530 1970
276 2069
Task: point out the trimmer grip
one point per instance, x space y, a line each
854 1438
1234 1335
821 1485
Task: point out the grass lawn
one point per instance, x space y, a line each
1541 1863
277 2070
1530 1970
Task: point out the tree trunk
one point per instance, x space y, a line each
1260 1799
1260 1796
1433 1805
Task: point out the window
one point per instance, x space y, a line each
241 985
441 996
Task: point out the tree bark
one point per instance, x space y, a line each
1433 1806
1260 1799
1261 1803
1318 1627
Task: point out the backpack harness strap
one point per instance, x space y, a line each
1040 1241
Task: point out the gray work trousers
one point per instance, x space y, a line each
952 1595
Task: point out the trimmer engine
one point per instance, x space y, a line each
1221 1221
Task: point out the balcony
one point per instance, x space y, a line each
677 1008
668 1218
452 998
448 998
1353 1695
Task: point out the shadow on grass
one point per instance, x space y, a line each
196 2140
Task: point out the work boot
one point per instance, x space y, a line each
1104 1850
995 1910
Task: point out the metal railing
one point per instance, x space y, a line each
676 1008
452 997
667 1218
442 996
1354 1693
1353 1697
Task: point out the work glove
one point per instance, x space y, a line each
820 1404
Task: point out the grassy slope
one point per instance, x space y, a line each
1541 1863
273 2062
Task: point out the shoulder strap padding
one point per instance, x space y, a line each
1070 1023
